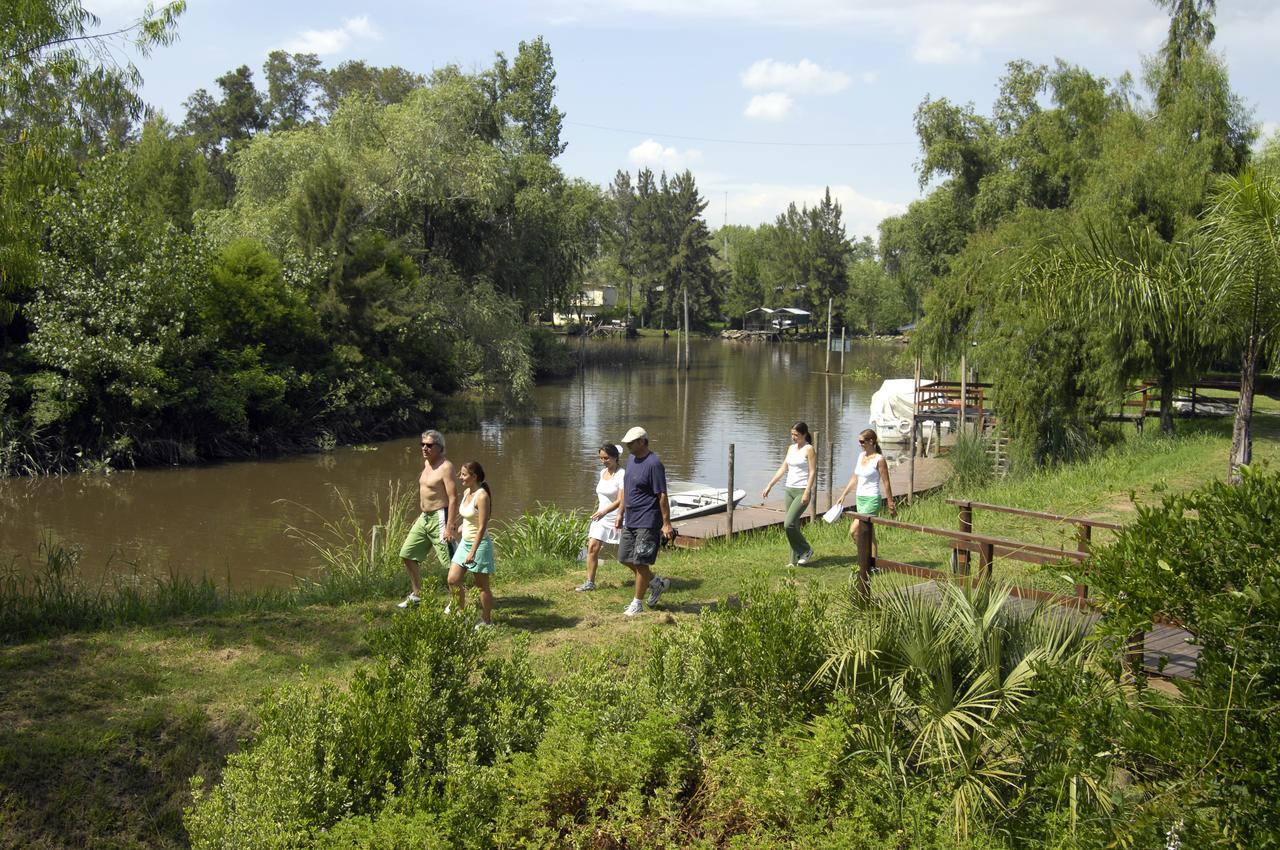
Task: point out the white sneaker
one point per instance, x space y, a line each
805 558
634 608
448 608
482 625
586 585
656 588
411 599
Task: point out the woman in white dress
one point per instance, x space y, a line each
603 526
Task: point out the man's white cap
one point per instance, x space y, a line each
635 433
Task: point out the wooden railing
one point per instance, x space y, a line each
965 541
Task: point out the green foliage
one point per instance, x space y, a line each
544 533
935 690
746 671
1208 561
431 713
971 466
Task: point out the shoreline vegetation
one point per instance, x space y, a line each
115 697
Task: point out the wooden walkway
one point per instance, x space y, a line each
931 474
1167 650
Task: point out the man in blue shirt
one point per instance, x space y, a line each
643 515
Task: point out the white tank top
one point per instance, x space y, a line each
797 467
868 470
607 490
467 510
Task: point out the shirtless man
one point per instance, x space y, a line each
437 527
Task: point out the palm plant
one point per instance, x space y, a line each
939 683
1242 231
1151 289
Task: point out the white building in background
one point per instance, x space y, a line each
589 303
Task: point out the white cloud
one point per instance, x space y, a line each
753 204
653 154
773 106
324 42
804 77
954 30
938 46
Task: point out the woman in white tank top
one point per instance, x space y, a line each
871 474
603 527
798 467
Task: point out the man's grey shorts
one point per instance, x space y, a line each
638 546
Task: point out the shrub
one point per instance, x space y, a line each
546 532
1208 560
425 718
610 763
745 670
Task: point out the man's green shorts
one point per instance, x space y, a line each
427 535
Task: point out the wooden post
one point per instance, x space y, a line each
986 554
827 368
813 500
1084 538
915 399
864 540
964 393
831 474
729 506
677 343
1135 649
842 348
966 525
686 330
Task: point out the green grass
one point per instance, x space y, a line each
101 729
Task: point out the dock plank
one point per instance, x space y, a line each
931 474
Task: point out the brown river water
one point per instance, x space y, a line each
231 520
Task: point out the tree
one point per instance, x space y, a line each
56 94
1242 229
292 81
1135 281
385 86
525 93
1190 31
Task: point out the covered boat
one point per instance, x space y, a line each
893 408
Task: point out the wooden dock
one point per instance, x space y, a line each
931 474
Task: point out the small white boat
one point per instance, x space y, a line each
700 502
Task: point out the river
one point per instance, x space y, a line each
230 520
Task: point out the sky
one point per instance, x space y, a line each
766 101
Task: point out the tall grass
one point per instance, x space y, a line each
543 541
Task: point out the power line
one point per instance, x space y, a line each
741 141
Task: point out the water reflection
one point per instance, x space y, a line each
230 519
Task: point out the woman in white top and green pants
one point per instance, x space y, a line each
798 467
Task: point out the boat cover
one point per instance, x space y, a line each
894 402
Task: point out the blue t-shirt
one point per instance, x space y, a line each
646 477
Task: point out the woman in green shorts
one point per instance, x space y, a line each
871 474
475 548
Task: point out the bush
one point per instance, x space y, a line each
407 734
1209 561
745 671
546 533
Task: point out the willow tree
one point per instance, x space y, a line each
1132 280
1242 229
